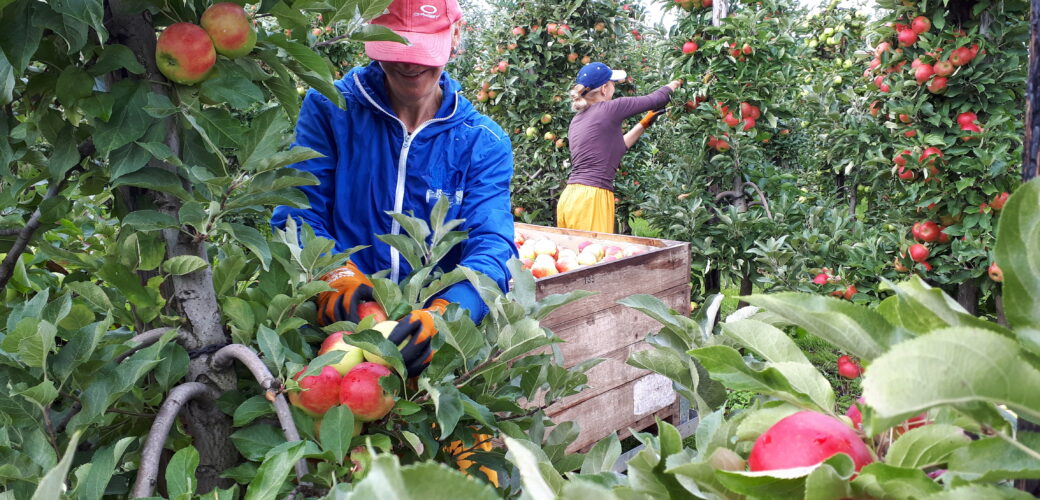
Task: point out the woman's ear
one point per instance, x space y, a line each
456 37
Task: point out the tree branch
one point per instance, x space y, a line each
144 485
270 384
761 196
26 233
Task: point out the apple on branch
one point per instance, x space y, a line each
318 392
360 391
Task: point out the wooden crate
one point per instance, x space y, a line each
619 397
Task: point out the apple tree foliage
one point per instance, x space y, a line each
134 244
974 167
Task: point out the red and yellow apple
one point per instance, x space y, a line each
230 29
352 354
385 328
184 53
319 392
360 391
544 265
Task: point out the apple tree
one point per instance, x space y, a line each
523 85
948 82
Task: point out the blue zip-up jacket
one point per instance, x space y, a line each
373 166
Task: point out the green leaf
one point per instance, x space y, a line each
53 483
538 482
21 35
32 339
251 409
255 441
786 483
272 473
451 484
113 57
767 341
921 308
879 480
231 86
795 383
129 121
376 33
223 129
251 239
42 394
994 459
154 178
849 327
1018 255
337 430
183 264
951 366
602 456
271 345
93 477
926 446
73 85
149 220
91 293
448 403
180 472
268 133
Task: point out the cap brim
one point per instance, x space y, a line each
617 75
427 49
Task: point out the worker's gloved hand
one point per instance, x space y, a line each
650 117
352 288
417 329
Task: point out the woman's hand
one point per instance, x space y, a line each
675 84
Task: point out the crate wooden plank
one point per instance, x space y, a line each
611 373
630 405
601 332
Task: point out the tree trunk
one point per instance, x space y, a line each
712 282
193 297
968 296
745 288
1031 151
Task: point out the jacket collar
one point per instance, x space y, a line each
368 82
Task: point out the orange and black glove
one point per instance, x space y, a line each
416 329
352 288
650 117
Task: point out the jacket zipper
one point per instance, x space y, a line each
402 171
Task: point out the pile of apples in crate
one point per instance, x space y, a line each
544 257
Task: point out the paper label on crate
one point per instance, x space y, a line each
651 393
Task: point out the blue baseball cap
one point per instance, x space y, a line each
594 74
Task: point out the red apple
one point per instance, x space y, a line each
689 47
360 391
926 231
569 263
920 25
999 200
319 392
805 439
918 252
905 174
184 53
923 73
848 368
907 38
544 266
821 279
943 68
230 29
995 273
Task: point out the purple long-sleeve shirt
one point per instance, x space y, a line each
597 141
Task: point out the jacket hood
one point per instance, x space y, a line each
366 85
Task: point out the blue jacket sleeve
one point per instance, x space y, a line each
313 130
486 209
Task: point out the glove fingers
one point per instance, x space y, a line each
417 365
363 293
414 351
404 330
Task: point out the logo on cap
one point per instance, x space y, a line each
428 11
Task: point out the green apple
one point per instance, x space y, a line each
385 328
353 354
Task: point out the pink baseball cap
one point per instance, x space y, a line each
426 24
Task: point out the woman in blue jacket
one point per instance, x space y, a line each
406 139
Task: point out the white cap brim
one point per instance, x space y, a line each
618 75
